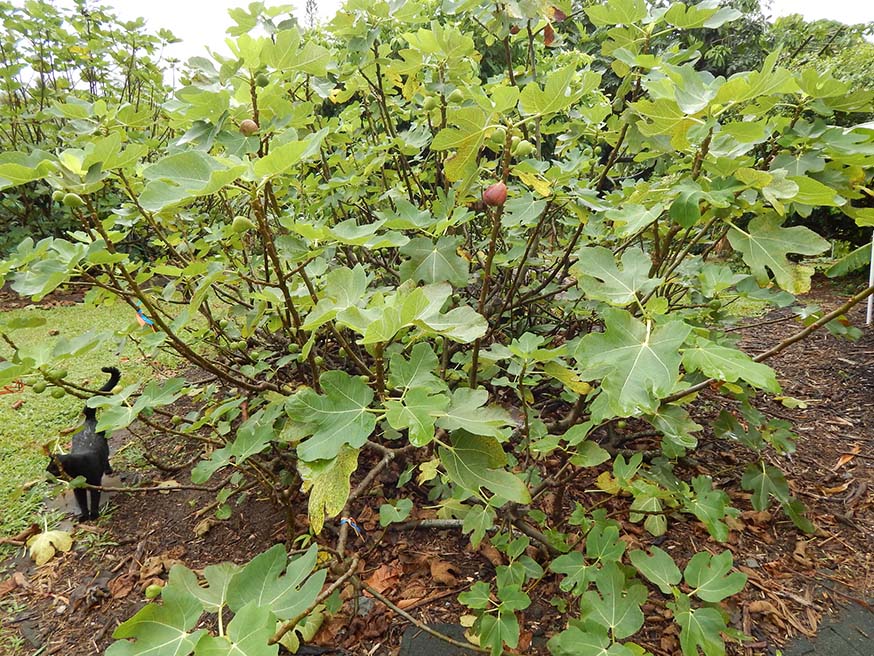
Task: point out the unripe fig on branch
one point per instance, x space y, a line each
495 195
73 201
248 127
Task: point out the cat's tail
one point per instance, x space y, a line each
114 377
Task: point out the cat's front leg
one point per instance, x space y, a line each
95 503
82 501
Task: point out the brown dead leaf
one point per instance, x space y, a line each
835 490
444 573
122 585
762 607
385 577
525 638
759 517
154 566
557 14
22 537
799 555
204 526
491 554
548 35
403 604
847 457
328 634
375 627
17 580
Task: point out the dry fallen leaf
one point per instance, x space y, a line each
799 555
757 516
122 585
444 573
847 457
17 580
762 607
491 554
44 545
385 577
835 490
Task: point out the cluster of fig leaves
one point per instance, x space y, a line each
325 261
65 67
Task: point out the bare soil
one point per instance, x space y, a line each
72 604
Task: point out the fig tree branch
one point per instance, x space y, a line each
327 592
789 341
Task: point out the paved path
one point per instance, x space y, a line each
850 633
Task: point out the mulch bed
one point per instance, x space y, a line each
73 603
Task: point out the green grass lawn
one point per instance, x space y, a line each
41 417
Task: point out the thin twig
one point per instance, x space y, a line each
789 341
327 592
420 625
423 524
154 488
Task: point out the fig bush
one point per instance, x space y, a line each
64 68
441 234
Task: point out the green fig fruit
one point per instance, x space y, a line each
73 201
153 591
248 127
242 224
524 149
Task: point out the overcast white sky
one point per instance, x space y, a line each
201 23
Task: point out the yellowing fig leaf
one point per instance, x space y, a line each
328 485
43 546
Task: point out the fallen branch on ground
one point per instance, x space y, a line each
419 625
290 624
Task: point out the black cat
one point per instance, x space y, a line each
89 456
